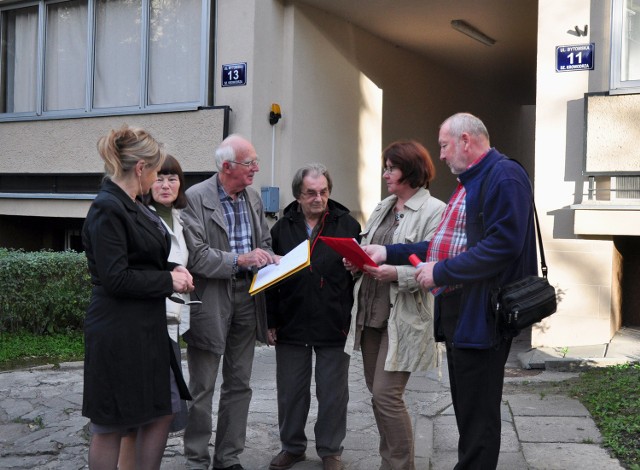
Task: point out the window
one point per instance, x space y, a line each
73 240
625 46
70 58
65 55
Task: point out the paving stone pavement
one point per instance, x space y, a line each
41 425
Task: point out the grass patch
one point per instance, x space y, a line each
612 396
20 349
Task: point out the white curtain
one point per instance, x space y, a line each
117 57
66 56
174 51
631 42
22 66
173 61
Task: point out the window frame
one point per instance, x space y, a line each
617 86
205 97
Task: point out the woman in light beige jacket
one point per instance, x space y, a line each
392 318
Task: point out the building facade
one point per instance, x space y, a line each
193 71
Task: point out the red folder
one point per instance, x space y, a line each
349 249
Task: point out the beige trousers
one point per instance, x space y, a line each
389 409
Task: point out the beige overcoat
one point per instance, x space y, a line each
211 264
411 343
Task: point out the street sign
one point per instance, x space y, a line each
234 74
572 58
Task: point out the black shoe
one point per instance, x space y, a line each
232 467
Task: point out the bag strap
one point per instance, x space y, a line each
483 189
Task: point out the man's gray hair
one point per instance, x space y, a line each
310 169
464 122
226 151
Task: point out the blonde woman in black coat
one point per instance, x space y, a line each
132 381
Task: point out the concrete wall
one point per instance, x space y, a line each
251 31
581 269
335 112
343 101
69 145
612 131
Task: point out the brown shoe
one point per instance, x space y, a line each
332 462
285 460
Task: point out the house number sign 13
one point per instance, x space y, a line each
234 74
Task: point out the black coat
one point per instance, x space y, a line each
313 307
128 355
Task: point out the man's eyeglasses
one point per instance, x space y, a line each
177 298
251 163
388 169
314 194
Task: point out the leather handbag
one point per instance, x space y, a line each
526 301
522 303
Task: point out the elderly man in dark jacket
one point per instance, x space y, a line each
308 312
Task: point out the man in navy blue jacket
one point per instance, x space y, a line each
483 241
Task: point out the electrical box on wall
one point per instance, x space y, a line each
271 199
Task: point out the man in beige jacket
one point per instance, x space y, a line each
228 237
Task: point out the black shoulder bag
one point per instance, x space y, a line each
526 301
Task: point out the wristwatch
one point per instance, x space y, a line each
234 267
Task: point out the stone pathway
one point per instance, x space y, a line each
41 425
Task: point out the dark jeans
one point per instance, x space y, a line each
476 377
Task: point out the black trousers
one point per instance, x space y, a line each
293 377
476 378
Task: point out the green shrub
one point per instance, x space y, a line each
43 292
